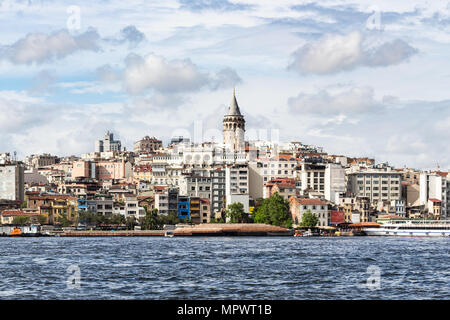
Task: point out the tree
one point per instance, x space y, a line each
235 212
275 211
88 217
150 221
117 219
21 220
130 222
171 218
309 220
42 219
64 221
214 220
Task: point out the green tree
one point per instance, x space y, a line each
150 221
275 211
87 217
42 219
235 212
117 219
24 205
309 220
21 220
64 221
130 223
171 218
214 220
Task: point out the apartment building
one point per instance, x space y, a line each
311 176
218 187
380 185
12 181
436 185
319 208
285 187
147 145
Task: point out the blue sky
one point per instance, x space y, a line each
360 78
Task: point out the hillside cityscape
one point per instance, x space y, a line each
198 183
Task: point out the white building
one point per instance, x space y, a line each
334 181
436 186
236 185
107 144
12 181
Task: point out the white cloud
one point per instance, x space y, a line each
354 100
333 53
40 48
156 72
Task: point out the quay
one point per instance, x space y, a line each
214 230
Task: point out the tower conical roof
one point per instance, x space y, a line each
234 107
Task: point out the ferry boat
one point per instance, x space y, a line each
411 228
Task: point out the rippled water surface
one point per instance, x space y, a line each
225 268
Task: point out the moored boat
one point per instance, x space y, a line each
411 228
16 232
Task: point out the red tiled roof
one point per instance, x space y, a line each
51 197
308 201
18 213
281 180
443 174
286 157
435 200
143 167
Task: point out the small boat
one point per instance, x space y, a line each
167 234
16 232
307 234
301 233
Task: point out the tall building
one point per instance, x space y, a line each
334 181
108 144
12 181
435 185
234 127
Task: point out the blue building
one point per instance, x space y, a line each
184 207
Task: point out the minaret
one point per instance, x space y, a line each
234 126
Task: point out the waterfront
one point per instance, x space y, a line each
225 268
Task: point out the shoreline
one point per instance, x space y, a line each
204 230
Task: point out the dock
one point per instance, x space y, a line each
204 230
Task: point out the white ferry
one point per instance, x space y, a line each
411 228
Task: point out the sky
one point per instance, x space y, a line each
358 78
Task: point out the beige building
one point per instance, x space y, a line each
319 208
379 185
147 145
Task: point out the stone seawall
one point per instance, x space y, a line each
246 229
